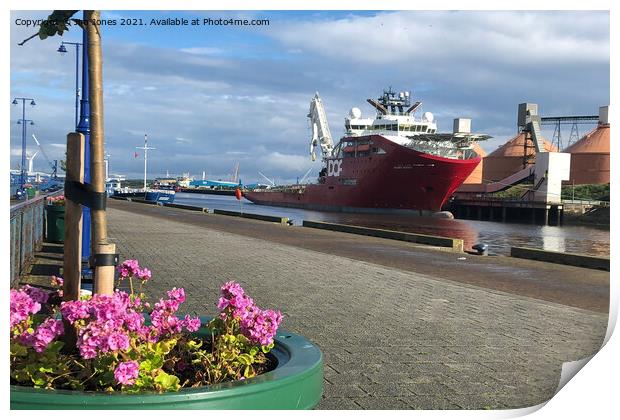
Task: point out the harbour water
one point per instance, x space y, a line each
499 236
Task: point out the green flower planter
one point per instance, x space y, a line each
55 225
296 383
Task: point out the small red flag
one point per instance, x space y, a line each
135 154
238 193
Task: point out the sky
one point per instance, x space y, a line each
212 96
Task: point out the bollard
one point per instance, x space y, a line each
481 249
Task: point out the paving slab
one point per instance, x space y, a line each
574 286
448 345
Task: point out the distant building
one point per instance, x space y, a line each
589 162
476 176
511 157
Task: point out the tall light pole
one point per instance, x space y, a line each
23 121
83 127
62 49
146 149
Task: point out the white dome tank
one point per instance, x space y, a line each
428 116
355 113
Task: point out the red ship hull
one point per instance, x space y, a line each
398 178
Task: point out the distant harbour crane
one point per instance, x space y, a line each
52 163
272 182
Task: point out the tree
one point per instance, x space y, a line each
57 23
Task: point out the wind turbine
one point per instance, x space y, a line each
30 159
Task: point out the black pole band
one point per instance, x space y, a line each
83 194
104 260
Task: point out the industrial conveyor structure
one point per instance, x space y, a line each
546 169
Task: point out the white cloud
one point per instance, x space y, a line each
253 110
276 161
459 38
202 50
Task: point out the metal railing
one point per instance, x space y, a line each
27 230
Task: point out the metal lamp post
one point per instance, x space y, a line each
83 127
23 121
62 49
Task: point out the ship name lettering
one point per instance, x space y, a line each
334 167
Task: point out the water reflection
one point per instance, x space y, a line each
499 236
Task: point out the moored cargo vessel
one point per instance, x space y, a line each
394 161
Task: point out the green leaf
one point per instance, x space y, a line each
164 347
54 347
194 345
18 350
245 359
167 382
38 381
20 375
266 349
155 362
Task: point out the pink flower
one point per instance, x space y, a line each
57 281
43 336
134 321
258 325
38 295
118 341
73 310
177 295
128 268
22 305
191 324
126 372
144 274
47 332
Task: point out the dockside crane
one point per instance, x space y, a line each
272 182
53 163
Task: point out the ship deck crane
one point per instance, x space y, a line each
272 182
53 163
321 136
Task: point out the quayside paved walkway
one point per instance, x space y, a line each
392 339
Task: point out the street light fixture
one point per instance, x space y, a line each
23 122
62 49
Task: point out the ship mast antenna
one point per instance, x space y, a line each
146 149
